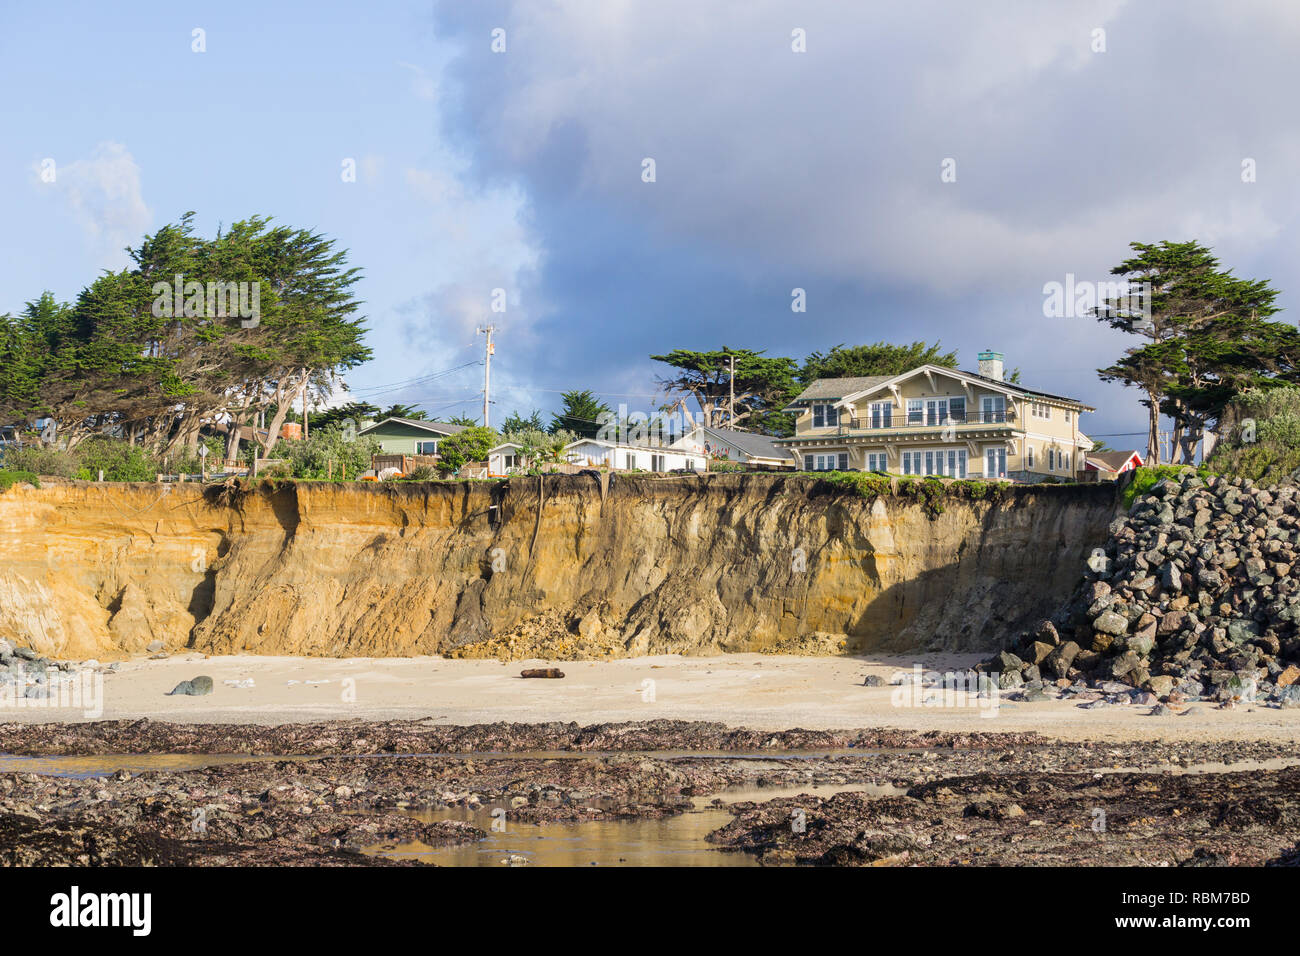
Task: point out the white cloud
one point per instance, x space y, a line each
104 195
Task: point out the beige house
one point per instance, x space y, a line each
939 421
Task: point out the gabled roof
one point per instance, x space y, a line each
841 390
1113 460
437 428
833 389
752 444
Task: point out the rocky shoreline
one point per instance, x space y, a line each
1193 599
993 798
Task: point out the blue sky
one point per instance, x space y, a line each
521 170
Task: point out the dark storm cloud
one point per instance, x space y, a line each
821 170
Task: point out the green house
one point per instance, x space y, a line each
409 436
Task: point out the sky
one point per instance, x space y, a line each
921 169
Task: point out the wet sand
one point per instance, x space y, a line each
743 690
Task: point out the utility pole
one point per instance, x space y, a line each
731 405
487 368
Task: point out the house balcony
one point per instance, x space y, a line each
881 427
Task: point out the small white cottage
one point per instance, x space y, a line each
596 452
507 459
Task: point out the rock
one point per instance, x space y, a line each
1006 661
1086 661
1046 634
1161 686
553 673
1108 622
1288 677
1143 642
1160 710
1039 650
196 687
871 680
1062 658
154 647
25 654
1114 687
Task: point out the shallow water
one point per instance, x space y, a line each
102 765
672 841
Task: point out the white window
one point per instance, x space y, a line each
1067 416
825 415
943 462
915 411
1029 455
957 410
882 414
826 462
877 461
657 463
510 461
995 463
993 408
956 463
426 448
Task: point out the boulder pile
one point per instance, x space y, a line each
1195 596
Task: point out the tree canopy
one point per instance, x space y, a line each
193 332
1209 337
580 413
881 358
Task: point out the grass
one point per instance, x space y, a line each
1147 477
10 477
930 492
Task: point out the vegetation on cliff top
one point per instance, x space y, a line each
9 478
931 492
1262 435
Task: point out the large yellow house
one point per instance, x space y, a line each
939 421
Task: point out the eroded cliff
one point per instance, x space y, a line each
560 568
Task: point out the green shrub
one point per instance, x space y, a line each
118 460
1273 450
325 452
42 460
9 478
865 484
472 444
1147 477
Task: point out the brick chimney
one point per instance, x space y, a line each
991 365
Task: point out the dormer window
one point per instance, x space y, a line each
825 416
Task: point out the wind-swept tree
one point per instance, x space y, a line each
880 358
761 386
1209 336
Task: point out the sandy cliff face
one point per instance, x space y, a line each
520 569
